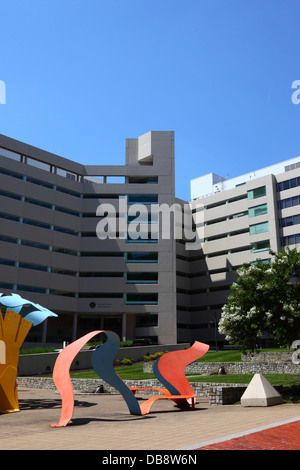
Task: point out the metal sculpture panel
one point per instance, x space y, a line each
13 331
169 369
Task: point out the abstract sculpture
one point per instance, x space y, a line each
169 369
19 317
13 331
32 312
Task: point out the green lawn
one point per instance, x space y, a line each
135 372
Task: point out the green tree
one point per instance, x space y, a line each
261 302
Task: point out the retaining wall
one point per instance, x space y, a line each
209 368
217 393
33 364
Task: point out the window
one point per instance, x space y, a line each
290 240
260 246
142 179
36 267
288 221
10 154
256 193
38 164
37 223
289 202
142 198
288 184
41 246
142 257
141 298
147 320
259 228
258 210
66 174
142 278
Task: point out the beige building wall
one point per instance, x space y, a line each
235 226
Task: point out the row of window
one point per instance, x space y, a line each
130 277
131 198
289 202
288 184
39 164
130 299
290 239
75 176
291 220
144 237
130 257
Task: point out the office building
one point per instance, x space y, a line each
50 252
239 220
65 241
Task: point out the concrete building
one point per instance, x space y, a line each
65 241
239 220
50 252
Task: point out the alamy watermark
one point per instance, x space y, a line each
150 223
296 93
2 92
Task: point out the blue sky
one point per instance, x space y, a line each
83 75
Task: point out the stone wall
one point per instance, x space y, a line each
209 368
43 363
217 393
268 356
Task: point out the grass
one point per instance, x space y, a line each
230 356
290 382
135 372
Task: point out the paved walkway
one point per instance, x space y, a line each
103 422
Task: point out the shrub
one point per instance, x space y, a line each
126 362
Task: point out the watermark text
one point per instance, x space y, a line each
141 222
296 93
2 92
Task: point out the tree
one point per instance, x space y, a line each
261 302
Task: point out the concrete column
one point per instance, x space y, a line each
44 331
124 327
74 330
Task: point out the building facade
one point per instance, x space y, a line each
51 254
65 241
238 220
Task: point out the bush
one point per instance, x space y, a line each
126 362
152 357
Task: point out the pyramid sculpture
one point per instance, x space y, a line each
260 393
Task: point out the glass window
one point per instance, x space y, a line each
142 298
256 193
142 278
142 198
38 164
142 257
258 210
37 223
36 267
66 174
290 240
260 246
287 184
289 202
291 220
147 320
259 228
10 154
142 179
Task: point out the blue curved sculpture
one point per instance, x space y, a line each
102 361
31 311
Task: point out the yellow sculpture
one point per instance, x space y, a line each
13 331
